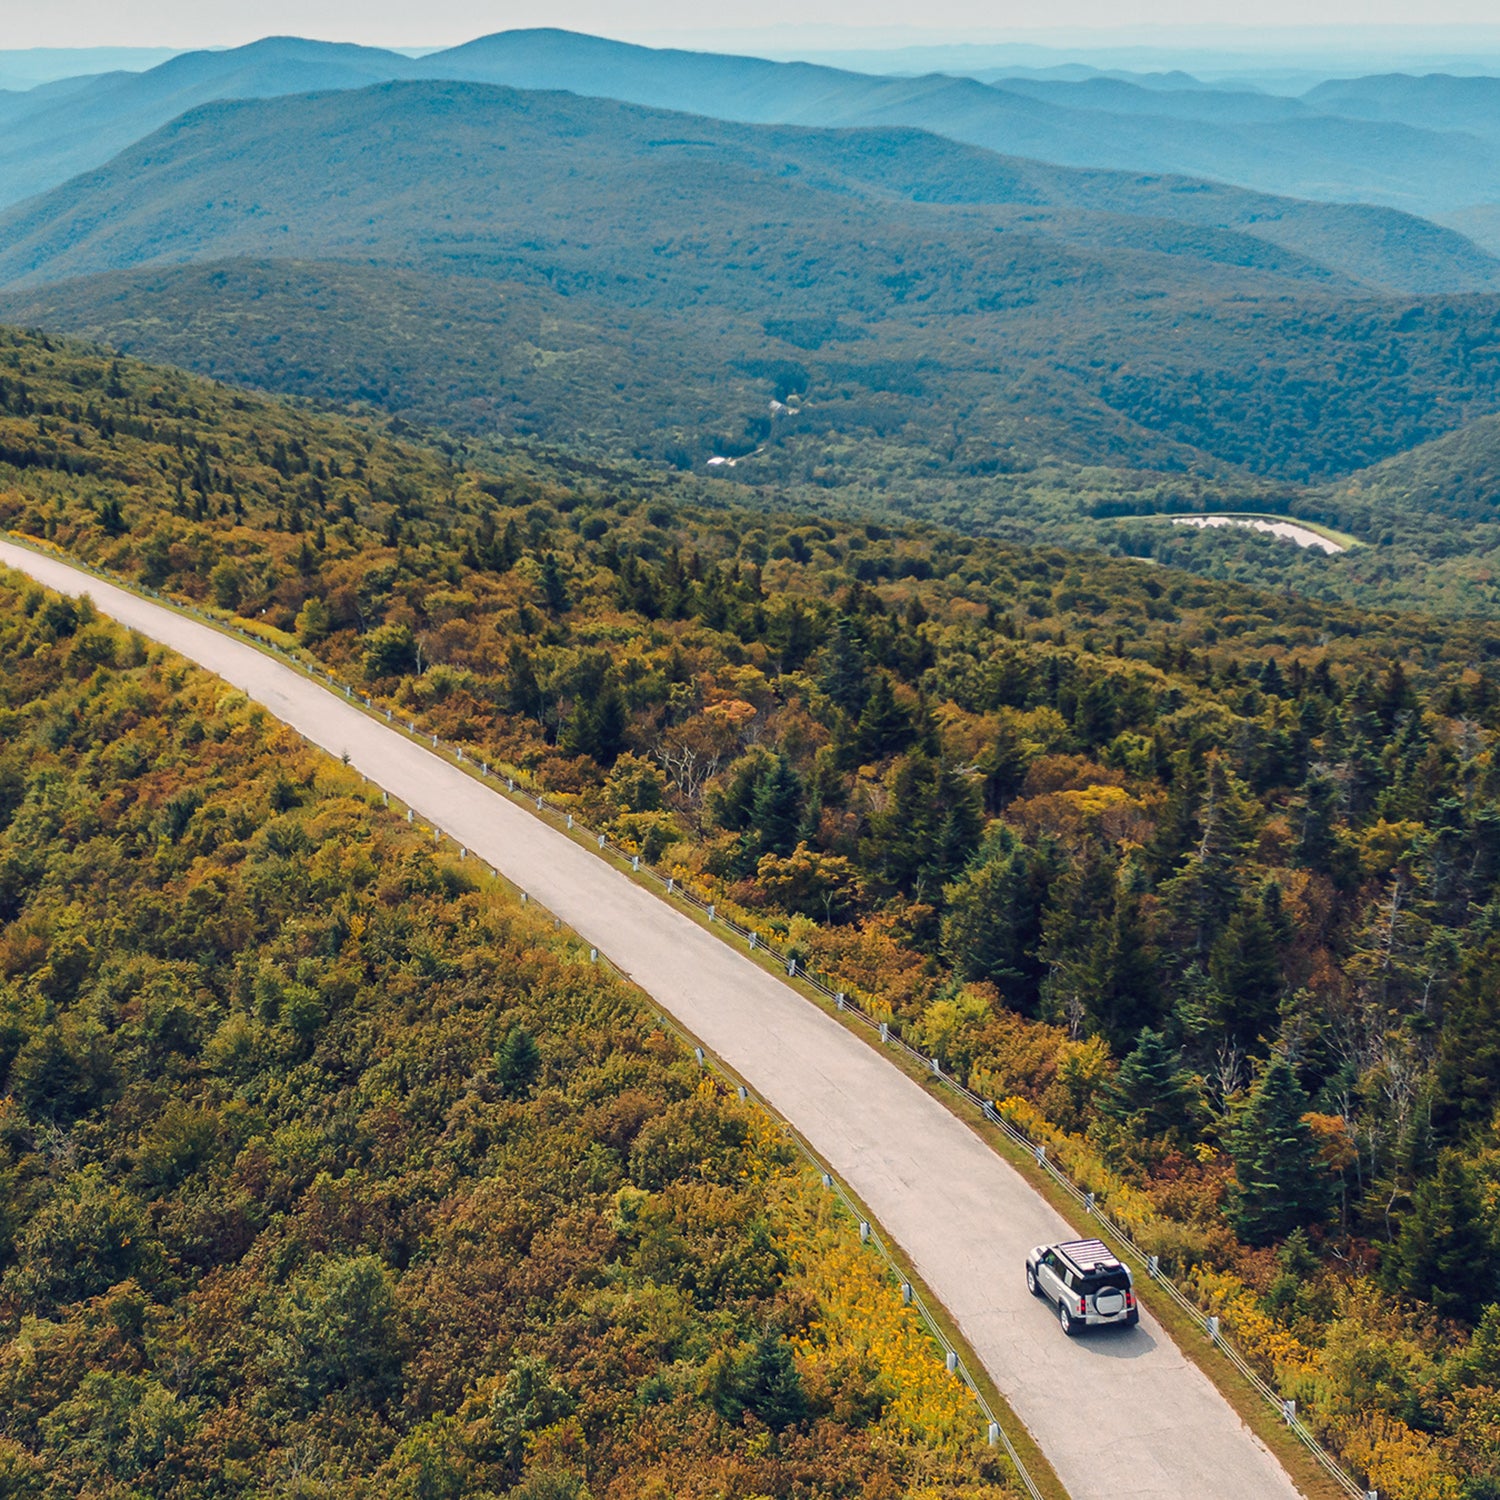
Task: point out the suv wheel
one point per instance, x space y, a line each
1066 1319
1031 1282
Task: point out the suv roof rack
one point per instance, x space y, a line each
1088 1255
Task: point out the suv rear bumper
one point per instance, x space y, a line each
1127 1319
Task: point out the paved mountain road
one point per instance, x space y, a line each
1119 1414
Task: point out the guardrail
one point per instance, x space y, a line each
996 1434
887 1033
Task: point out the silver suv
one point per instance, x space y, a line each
1090 1287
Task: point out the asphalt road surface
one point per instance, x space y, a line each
1120 1413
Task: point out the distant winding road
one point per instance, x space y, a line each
1122 1414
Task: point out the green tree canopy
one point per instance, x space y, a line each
1446 1251
1280 1184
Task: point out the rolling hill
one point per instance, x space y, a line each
1441 500
487 258
1433 101
1382 150
1309 153
64 128
413 173
61 130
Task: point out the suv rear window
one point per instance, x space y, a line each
1102 1280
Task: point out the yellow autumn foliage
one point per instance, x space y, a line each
862 1320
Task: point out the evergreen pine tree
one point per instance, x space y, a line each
610 722
517 1063
554 586
732 802
1153 1094
793 635
776 1393
1123 993
1203 894
930 828
1003 765
846 669
993 920
959 826
1445 1253
776 813
596 727
1468 1066
1196 1011
1314 814
884 728
1070 934
1481 1360
522 693
1280 1184
1097 717
1394 696
1176 827
1246 971
500 553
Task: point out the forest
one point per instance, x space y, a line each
916 433
1202 882
328 1170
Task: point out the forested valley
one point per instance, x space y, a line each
881 322
1202 883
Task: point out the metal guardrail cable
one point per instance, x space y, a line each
869 1235
1084 1199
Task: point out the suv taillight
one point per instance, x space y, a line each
1129 1299
1083 1304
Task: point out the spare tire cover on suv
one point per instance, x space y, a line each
1109 1300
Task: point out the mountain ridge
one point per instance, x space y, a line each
1408 255
1396 162
911 284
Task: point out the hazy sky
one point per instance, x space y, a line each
202 23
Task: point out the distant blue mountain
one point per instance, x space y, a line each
1414 144
54 132
328 175
27 67
1435 101
1122 96
1249 140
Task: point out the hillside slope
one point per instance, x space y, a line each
1307 153
1026 802
934 308
960 1214
464 176
413 1180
